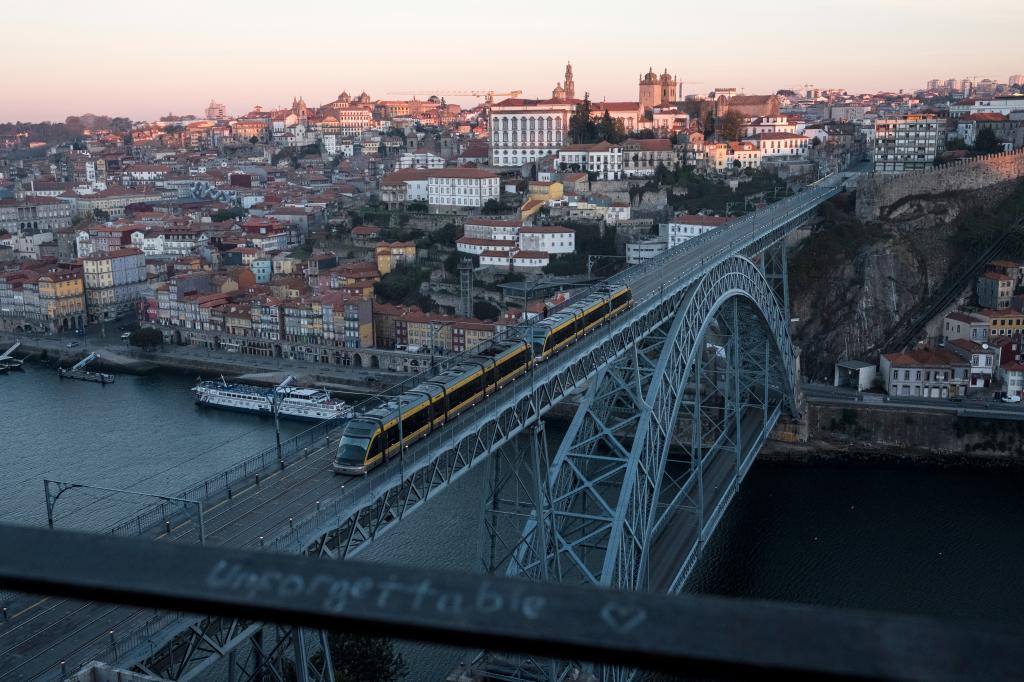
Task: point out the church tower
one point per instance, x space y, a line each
570 87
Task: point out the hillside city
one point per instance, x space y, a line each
373 233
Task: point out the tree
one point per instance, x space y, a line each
356 659
485 310
253 139
100 214
986 142
611 129
146 338
582 129
401 285
730 125
227 214
955 144
492 207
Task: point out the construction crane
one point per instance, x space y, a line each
488 95
680 84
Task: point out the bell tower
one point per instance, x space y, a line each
570 87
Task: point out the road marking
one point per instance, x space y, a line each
29 608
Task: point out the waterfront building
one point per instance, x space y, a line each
925 373
42 297
114 283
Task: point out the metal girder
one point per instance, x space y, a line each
607 476
719 366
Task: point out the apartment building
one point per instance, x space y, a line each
908 143
114 283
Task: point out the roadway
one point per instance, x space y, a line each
36 638
982 407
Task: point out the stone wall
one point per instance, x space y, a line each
878 193
899 432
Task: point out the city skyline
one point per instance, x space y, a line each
177 64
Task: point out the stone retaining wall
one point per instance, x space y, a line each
877 193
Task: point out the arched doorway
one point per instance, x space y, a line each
357 359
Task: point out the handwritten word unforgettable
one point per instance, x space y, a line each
339 594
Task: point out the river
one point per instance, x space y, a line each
884 536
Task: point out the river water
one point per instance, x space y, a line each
880 536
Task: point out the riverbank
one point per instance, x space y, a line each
192 361
903 434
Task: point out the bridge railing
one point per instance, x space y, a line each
226 482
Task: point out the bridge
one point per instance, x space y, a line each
676 397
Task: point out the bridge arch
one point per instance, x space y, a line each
709 382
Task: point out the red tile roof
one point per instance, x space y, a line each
713 220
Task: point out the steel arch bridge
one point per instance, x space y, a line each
677 396
652 421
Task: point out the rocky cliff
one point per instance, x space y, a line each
852 282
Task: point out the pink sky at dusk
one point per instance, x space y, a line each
145 58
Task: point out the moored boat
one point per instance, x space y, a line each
306 404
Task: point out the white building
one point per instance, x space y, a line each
477 246
646 249
484 228
781 145
461 189
601 158
683 227
908 143
420 160
987 105
549 238
768 124
410 184
523 130
151 244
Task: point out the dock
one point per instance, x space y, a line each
8 361
79 372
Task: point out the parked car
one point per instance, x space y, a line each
126 336
1011 398
71 344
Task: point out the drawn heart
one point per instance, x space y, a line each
622 618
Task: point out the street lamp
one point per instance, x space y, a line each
434 326
275 405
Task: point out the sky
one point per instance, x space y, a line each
145 58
